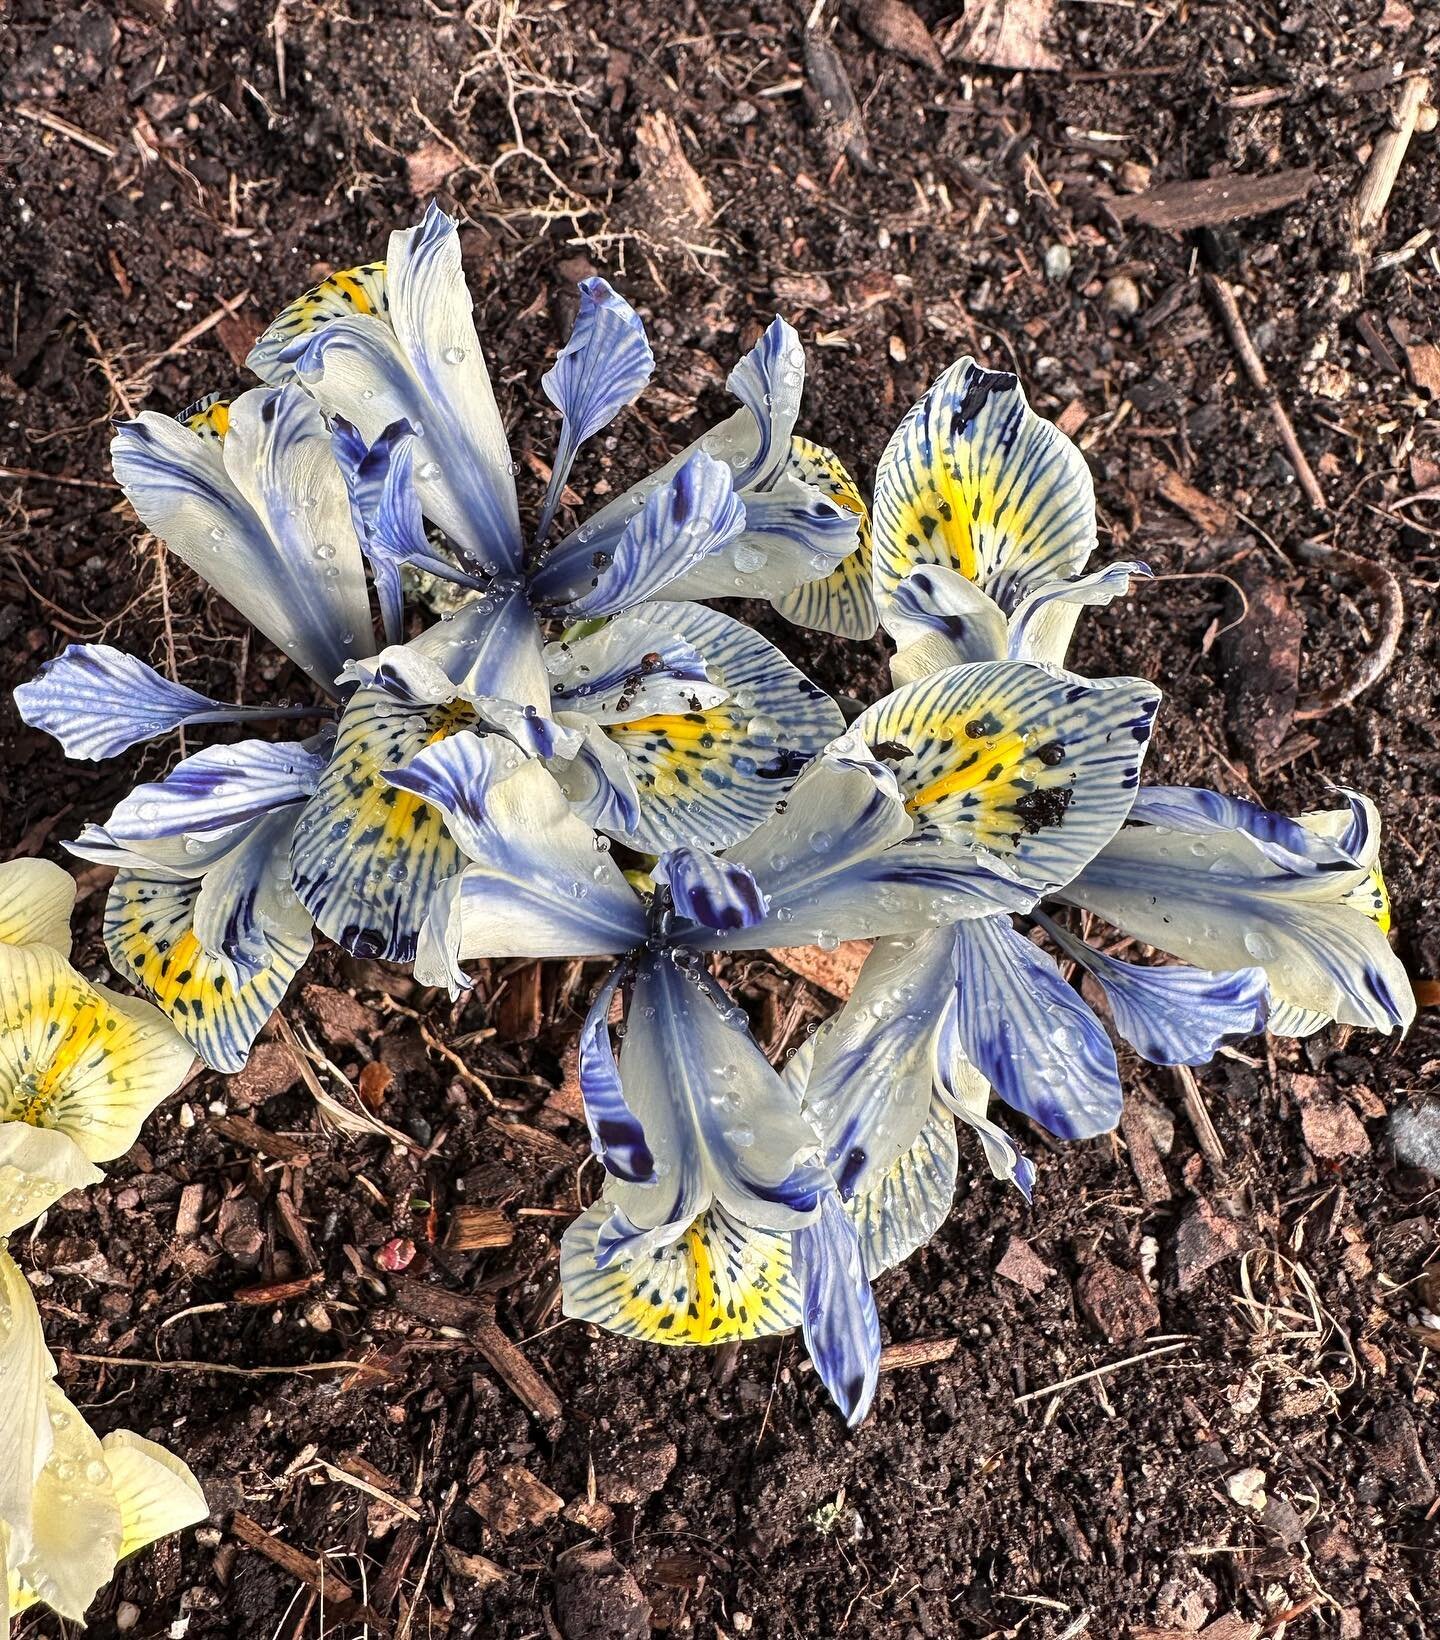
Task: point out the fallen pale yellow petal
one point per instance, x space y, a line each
36 899
78 1057
37 1167
155 1492
26 1368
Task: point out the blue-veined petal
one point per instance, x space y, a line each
720 1123
536 884
217 789
966 1094
36 900
1044 619
975 480
425 366
98 701
597 781
1290 844
912 1198
709 776
869 1081
694 515
714 893
491 646
717 1282
1219 900
630 667
602 367
534 732
1171 1015
616 1135
384 508
209 416
342 295
841 1327
1030 1035
842 602
217 952
835 862
1285 1019
938 619
263 517
769 382
1010 762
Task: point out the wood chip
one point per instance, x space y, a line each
474 1568
1332 1130
1210 516
519 1014
894 27
1423 361
472 1228
276 1292
427 168
1179 206
251 1136
669 196
833 971
1004 34
832 104
315 1574
513 1498
1138 1124
1024 1266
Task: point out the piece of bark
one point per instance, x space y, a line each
276 1292
831 102
513 1498
894 27
1024 1266
1004 34
668 199
1260 662
473 1228
1206 1238
252 1136
479 1569
834 971
1332 1130
1423 360
429 165
596 1598
1116 1302
519 1012
1207 202
1210 516
1137 1124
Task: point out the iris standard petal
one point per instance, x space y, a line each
36 899
216 790
936 612
597 781
263 517
536 884
616 1134
709 776
343 295
78 1057
1030 1035
693 516
425 366
841 1327
966 1094
1171 1015
842 602
490 646
602 368
37 1167
718 1282
1216 900
1010 761
1349 838
711 892
975 480
1044 619
98 701
216 952
384 508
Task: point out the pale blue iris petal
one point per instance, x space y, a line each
597 781
691 517
841 1326
1043 620
629 668
1030 1035
384 507
98 701
616 1135
535 733
537 885
1172 1015
769 382
263 517
869 1082
721 1125
221 787
714 893
491 646
603 366
245 898
425 366
937 601
1283 840
967 1095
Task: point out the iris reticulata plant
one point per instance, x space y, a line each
584 761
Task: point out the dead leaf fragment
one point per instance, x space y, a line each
1004 34
894 27
429 166
668 198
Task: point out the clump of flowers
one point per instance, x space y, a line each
581 760
80 1069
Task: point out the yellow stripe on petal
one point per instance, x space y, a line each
367 855
844 601
720 1282
974 480
79 1058
155 1493
36 899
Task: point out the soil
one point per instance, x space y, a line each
172 174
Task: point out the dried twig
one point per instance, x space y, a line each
1377 661
1378 181
63 128
1199 1114
1224 300
1100 1372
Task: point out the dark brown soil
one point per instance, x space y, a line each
179 170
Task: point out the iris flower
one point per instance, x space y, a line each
984 525
728 1212
377 440
80 1069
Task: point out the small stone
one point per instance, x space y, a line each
596 1598
1414 1134
1058 262
1121 295
127 1616
1117 1302
1024 1266
1247 1488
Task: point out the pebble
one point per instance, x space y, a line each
1414 1133
1121 295
1058 262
